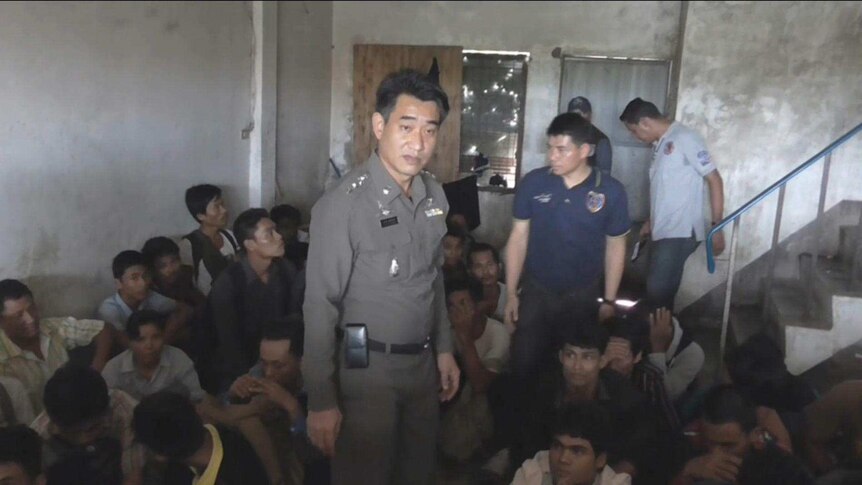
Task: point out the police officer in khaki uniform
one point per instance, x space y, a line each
374 265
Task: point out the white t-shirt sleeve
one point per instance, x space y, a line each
497 357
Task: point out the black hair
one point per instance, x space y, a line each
586 333
13 290
167 424
21 445
199 197
772 465
125 260
586 420
290 328
158 247
481 247
468 284
411 83
74 395
102 465
457 235
285 211
638 109
574 126
724 404
631 329
140 318
245 225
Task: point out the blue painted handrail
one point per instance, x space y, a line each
710 258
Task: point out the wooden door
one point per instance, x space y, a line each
372 63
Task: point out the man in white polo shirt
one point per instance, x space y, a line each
680 164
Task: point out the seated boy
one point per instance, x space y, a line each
134 293
210 248
170 277
20 456
578 451
167 424
483 262
453 255
674 353
482 346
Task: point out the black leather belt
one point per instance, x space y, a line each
404 349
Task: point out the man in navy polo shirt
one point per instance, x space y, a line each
569 230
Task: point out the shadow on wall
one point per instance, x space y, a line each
65 295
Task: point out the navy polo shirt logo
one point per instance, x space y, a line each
595 201
543 198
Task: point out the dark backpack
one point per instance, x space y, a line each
197 240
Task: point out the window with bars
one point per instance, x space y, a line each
492 117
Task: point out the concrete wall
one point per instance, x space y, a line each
645 29
770 84
304 91
108 111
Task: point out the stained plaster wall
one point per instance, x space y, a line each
108 111
770 84
603 28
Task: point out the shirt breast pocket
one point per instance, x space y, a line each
387 259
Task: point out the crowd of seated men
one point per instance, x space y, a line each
190 373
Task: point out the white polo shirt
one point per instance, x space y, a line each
680 162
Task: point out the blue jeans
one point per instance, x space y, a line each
666 264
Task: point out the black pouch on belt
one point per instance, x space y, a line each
355 346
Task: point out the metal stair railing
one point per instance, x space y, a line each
735 217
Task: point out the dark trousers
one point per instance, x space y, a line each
666 264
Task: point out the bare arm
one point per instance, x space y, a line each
615 259
516 253
104 342
716 195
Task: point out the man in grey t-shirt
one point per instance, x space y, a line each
681 163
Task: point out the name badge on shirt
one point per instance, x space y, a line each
390 221
432 211
595 201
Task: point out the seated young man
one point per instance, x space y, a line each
273 389
168 426
483 262
260 287
210 248
732 435
578 451
82 418
674 353
133 293
32 348
482 346
20 456
832 436
453 255
170 277
582 377
288 220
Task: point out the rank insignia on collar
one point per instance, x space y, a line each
595 201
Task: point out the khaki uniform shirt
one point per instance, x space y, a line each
374 258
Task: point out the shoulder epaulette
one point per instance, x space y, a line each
357 183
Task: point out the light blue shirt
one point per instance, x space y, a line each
115 311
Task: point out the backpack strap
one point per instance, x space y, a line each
229 237
197 250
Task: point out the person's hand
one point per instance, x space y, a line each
715 465
323 429
510 317
718 243
277 394
450 376
243 387
606 311
646 229
661 330
617 350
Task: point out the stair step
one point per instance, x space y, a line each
787 307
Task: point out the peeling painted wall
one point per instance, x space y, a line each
770 84
108 111
304 91
645 29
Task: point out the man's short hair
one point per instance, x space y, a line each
580 104
412 83
290 328
245 225
586 334
481 247
75 394
773 465
83 467
468 284
198 198
13 290
285 211
21 445
724 404
460 236
167 424
125 260
638 109
158 247
631 329
575 126
586 420
140 318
